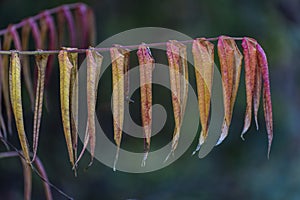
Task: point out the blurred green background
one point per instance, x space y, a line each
234 170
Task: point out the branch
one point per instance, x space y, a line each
103 49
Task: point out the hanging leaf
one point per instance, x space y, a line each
203 53
73 57
35 33
27 180
94 62
120 65
4 78
65 15
257 89
91 27
230 44
249 50
146 65
263 65
16 101
25 59
176 53
65 67
48 33
41 63
82 23
3 132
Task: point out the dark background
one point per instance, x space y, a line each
234 170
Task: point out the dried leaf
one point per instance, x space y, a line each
91 27
41 63
94 62
71 25
229 43
263 65
35 33
65 67
249 50
257 90
3 132
176 53
203 53
5 82
146 65
74 99
120 59
25 60
48 34
16 101
27 180
82 24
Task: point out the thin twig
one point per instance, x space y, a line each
39 16
102 49
16 152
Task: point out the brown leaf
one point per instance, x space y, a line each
229 43
263 65
176 53
203 53
94 62
41 63
146 65
73 57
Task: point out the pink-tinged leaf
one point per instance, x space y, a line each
4 79
41 63
94 62
236 72
3 132
35 33
257 90
263 64
82 24
27 180
91 27
249 51
60 27
71 25
146 65
203 53
48 33
24 59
